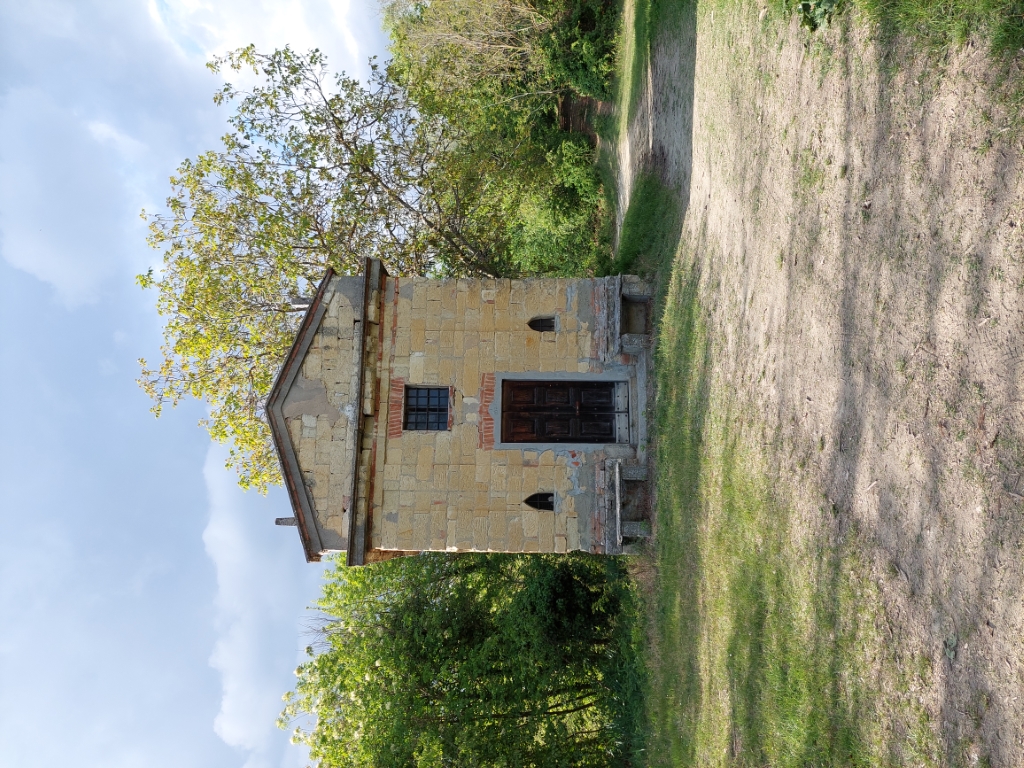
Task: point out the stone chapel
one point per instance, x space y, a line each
415 414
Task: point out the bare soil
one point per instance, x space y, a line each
856 212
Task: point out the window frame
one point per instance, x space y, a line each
425 414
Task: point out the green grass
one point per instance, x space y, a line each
626 669
650 227
764 644
950 23
761 636
938 24
641 21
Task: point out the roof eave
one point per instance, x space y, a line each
298 494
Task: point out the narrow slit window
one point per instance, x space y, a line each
542 324
544 501
426 408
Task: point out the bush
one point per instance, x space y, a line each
473 659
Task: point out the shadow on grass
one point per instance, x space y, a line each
682 370
796 629
757 641
650 228
948 24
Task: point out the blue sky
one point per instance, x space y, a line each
151 614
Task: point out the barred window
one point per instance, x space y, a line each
426 408
542 501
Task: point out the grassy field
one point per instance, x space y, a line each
769 642
762 642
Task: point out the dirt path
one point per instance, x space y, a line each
859 230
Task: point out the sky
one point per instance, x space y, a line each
151 613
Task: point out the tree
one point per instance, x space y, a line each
483 660
315 172
521 48
477 41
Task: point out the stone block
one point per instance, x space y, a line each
433 316
424 500
480 539
514 533
419 294
546 531
502 345
430 370
499 479
483 468
530 523
420 535
502 294
418 334
487 318
416 368
442 451
389 536
448 293
311 365
560 543
572 536
496 525
402 343
470 370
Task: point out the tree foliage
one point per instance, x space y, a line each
449 161
315 172
482 660
523 48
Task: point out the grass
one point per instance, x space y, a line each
759 637
766 644
650 227
950 23
626 671
641 20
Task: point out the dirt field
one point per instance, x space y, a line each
854 215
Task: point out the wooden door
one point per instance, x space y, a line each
558 412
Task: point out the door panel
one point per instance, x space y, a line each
560 412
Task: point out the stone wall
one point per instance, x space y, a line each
462 489
322 414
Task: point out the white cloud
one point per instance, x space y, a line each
201 29
263 585
99 102
105 133
60 197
